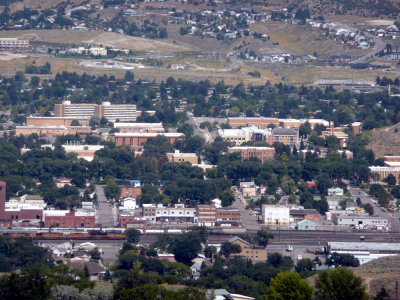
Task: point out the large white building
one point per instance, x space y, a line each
177 213
362 222
13 43
363 251
275 215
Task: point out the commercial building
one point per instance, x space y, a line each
139 127
55 121
363 222
237 136
228 216
305 214
335 192
275 215
149 212
136 140
67 219
178 157
112 112
306 225
206 215
52 130
13 43
247 152
248 189
249 251
177 213
363 251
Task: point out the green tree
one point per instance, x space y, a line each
228 248
95 254
391 180
289 286
339 284
263 236
227 197
112 190
369 208
342 259
75 123
132 235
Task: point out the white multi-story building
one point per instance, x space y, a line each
177 213
276 215
13 43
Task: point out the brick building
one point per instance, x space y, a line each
287 136
249 251
8 216
139 127
228 215
55 121
305 214
52 130
67 219
136 140
206 215
246 152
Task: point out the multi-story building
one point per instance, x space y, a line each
13 43
136 139
14 212
237 136
287 136
276 215
149 212
379 174
249 251
206 215
177 213
248 189
52 130
139 127
260 123
55 121
228 216
112 112
247 152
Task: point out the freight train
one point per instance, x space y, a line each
90 235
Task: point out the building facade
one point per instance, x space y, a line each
136 140
247 152
249 251
67 219
55 121
52 130
275 215
206 215
13 43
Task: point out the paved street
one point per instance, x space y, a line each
378 211
105 212
249 221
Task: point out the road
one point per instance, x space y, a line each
196 121
106 214
378 211
248 220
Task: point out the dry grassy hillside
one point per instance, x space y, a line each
384 141
382 272
110 39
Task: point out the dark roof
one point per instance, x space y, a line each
302 212
284 131
93 268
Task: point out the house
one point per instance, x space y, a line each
335 192
249 251
96 272
196 267
306 225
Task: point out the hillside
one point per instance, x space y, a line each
107 39
382 272
384 141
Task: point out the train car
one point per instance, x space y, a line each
80 236
50 236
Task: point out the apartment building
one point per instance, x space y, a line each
247 152
249 251
112 112
13 43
